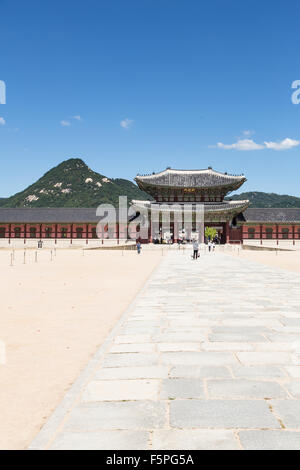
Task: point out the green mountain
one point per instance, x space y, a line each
260 199
74 184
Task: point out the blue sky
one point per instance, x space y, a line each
135 86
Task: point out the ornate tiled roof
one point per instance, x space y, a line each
207 178
275 215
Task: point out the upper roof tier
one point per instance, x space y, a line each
208 178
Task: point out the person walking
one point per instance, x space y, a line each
195 248
138 247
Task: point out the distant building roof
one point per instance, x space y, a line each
48 215
276 215
207 178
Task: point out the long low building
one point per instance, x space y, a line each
81 223
171 191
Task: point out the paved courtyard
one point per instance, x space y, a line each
206 357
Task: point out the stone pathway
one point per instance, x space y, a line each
206 357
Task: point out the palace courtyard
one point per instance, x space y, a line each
206 356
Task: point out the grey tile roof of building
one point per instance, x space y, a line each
270 214
48 215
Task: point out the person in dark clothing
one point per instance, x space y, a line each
195 248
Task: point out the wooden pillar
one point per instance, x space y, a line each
261 233
277 233
71 234
41 232
150 228
87 233
25 233
55 233
118 233
293 231
227 231
9 233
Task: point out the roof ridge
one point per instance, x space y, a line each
209 169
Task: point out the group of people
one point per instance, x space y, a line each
210 244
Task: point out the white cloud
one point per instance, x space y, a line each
284 144
126 123
242 144
77 117
65 123
250 144
2 121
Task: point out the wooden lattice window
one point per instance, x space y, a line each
64 232
269 232
79 232
48 232
32 232
17 232
251 232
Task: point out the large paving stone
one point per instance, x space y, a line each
221 414
293 371
179 337
222 346
294 388
274 347
291 321
173 347
239 388
237 337
199 371
181 388
194 439
138 347
198 358
114 390
131 359
288 411
257 371
240 330
103 440
147 372
117 415
264 358
127 339
270 440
